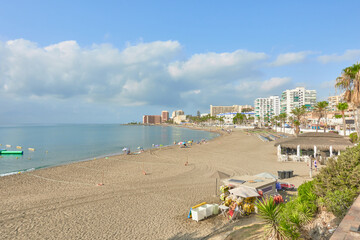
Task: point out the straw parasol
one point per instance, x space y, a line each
322 141
218 175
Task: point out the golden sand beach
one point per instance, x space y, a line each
65 202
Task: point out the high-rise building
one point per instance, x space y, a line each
266 107
333 101
297 97
177 113
164 116
151 119
215 110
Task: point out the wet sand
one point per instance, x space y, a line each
65 202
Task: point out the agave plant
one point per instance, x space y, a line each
269 212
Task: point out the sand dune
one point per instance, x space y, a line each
66 203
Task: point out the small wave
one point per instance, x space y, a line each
17 172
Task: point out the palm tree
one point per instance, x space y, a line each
276 119
320 108
238 119
342 107
282 118
349 81
298 113
270 213
221 120
259 120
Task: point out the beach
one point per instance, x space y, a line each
65 202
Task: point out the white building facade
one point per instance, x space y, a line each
228 117
215 110
177 113
266 108
297 97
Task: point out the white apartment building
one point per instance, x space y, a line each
334 101
177 113
215 110
266 107
297 97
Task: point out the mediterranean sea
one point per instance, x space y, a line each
66 143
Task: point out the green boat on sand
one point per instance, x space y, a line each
10 152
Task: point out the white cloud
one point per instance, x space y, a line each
210 65
349 55
143 74
290 58
98 73
274 83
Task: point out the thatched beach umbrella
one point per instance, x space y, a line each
322 141
218 175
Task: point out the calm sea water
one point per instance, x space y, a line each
60 144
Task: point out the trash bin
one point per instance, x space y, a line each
291 173
281 174
287 174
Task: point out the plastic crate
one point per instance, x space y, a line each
198 214
209 209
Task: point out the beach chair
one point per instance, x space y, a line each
235 215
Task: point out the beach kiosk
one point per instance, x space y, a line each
266 186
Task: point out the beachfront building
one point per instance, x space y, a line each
228 117
266 108
177 113
297 97
151 119
179 119
333 101
164 116
215 110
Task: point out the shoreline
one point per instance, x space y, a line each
66 201
20 171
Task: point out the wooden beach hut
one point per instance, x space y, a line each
312 144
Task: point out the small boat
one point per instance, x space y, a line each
31 149
287 186
8 145
11 152
18 147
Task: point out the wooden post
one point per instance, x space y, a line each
102 180
215 187
331 151
311 162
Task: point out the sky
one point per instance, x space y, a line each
114 61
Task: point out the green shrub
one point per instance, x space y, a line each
339 201
307 197
335 187
338 183
353 137
339 174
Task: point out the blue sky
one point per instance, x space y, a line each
113 61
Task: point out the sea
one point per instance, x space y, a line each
59 144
